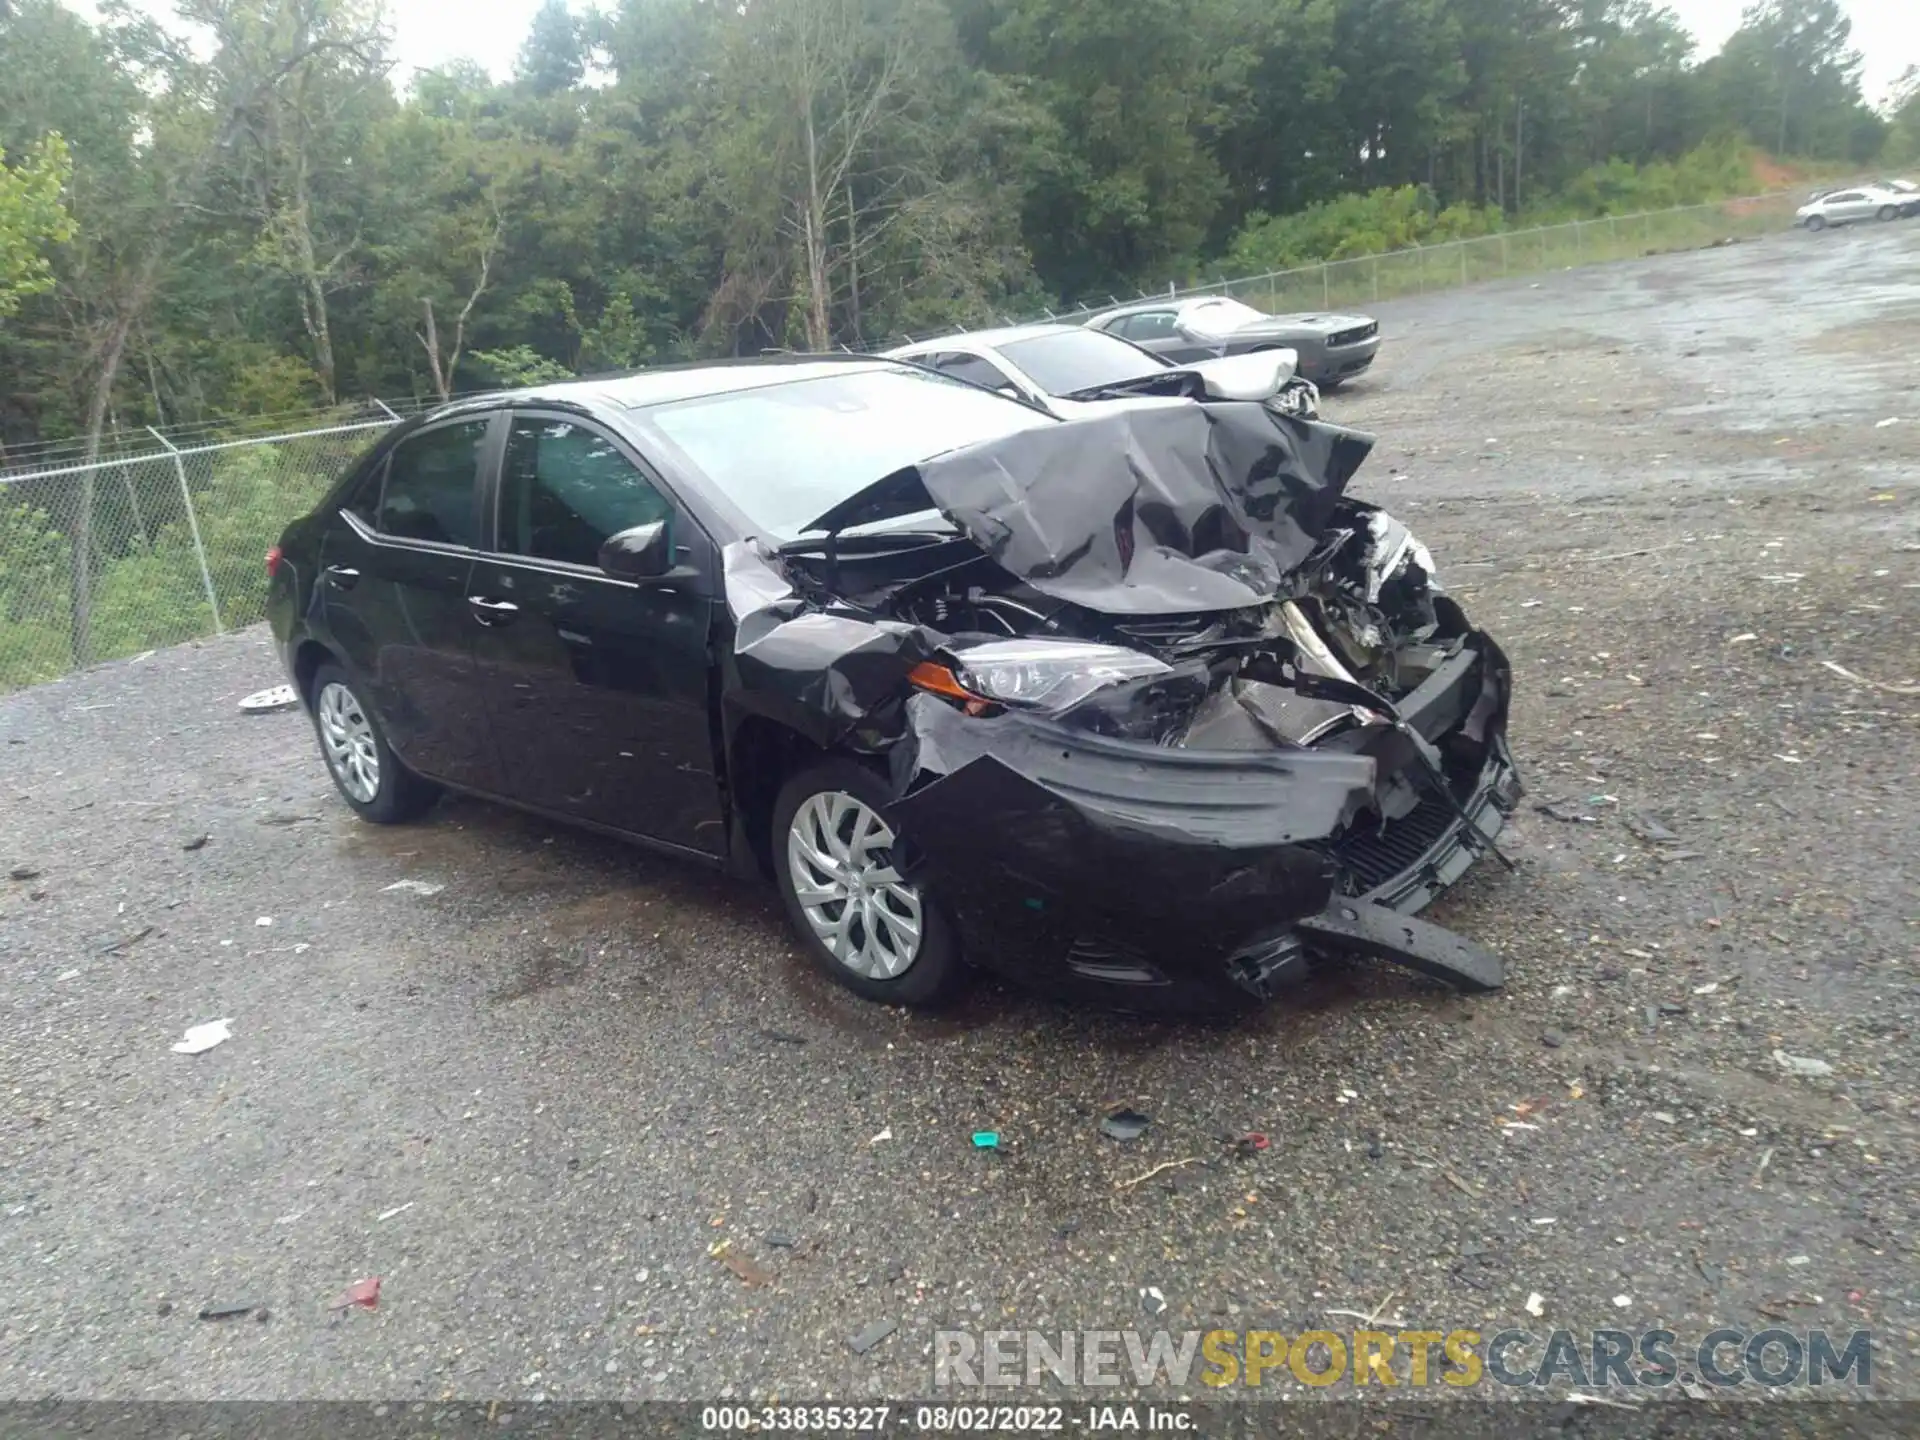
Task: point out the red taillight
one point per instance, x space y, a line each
273 561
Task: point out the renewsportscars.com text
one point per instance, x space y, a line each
1623 1359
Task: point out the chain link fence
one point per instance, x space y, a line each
111 558
104 560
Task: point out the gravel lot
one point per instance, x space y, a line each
534 1100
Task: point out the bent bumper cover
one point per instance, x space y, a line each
1105 864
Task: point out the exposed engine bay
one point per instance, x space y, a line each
1365 609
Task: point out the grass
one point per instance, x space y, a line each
1359 282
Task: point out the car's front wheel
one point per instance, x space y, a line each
1816 222
868 926
369 776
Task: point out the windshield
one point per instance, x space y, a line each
1220 317
786 453
1073 360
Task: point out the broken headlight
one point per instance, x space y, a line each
1048 675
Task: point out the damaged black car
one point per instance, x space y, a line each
1141 708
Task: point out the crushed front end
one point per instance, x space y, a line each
1177 713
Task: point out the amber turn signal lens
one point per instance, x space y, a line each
939 680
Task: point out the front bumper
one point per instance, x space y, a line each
1343 362
1188 881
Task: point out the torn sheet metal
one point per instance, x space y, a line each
818 670
1165 510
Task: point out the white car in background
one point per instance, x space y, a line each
1068 369
1848 206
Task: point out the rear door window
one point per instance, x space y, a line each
430 484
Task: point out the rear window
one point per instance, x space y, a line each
1073 360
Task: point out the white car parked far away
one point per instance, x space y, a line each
1844 207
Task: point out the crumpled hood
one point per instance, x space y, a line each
1154 511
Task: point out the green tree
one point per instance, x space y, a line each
33 219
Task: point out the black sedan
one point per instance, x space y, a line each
1136 706
1332 349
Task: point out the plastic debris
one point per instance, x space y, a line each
1621 1302
415 887
1840 670
264 702
872 1335
1883 424
1251 1143
23 872
229 1312
198 842
201 1038
263 921
397 1210
783 1037
362 1293
884 1135
1125 1125
1152 1300
1802 1065
778 1240
1536 1304
986 1139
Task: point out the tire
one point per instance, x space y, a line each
366 772
1816 222
1889 212
819 821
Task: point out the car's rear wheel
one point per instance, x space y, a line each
1816 222
369 776
1889 212
860 920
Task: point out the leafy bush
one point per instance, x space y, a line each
1384 220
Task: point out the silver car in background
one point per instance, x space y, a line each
1066 369
1850 206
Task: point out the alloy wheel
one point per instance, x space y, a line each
346 737
840 860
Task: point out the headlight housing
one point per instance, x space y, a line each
1048 675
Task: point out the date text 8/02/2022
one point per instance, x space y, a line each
946 1419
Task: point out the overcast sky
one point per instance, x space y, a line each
429 33
432 32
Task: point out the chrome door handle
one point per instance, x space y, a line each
342 577
492 612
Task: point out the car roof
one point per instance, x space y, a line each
1168 302
665 384
989 339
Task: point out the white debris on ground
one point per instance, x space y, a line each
203 1037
